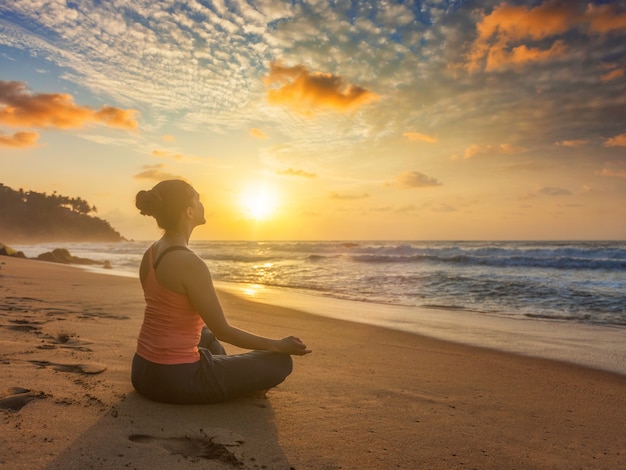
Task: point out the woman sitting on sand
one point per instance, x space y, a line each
179 359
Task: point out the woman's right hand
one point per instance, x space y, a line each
292 345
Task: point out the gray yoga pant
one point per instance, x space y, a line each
214 378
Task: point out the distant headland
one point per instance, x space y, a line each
32 217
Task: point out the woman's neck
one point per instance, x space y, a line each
178 239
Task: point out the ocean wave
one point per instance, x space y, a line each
238 258
574 281
501 261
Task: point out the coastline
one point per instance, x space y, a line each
595 346
368 397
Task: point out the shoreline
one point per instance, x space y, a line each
596 346
367 397
600 347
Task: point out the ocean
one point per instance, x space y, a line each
558 300
565 281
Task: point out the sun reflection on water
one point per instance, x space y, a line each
252 290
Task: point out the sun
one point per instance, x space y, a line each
259 203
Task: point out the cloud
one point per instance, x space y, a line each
156 173
508 24
612 75
476 150
416 136
503 34
166 154
168 138
443 207
572 143
617 170
292 172
18 107
617 141
553 191
405 209
348 197
604 19
258 133
414 179
520 55
307 91
115 117
20 139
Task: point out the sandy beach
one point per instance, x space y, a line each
367 398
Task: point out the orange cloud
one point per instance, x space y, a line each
57 110
572 143
292 172
416 136
613 169
115 117
414 179
511 24
258 133
347 197
166 154
476 150
156 173
553 191
617 141
307 91
520 55
168 138
612 75
605 18
502 35
19 140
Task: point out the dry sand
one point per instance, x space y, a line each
366 398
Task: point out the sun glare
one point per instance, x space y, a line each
259 203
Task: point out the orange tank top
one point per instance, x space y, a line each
171 326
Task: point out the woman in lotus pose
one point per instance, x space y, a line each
179 358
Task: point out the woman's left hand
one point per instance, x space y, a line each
292 345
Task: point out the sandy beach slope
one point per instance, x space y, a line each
367 398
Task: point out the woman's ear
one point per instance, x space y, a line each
189 212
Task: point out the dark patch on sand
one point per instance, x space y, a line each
86 368
66 341
190 448
18 397
24 328
95 314
30 299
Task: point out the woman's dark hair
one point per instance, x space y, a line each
166 202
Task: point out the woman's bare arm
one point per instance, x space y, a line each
198 285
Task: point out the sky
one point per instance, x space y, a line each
325 120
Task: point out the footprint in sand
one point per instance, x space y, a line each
24 327
85 368
65 341
23 324
191 448
18 398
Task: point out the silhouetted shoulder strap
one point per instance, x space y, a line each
168 250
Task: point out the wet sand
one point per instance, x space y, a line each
368 397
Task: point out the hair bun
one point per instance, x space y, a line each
149 202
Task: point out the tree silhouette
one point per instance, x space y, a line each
29 216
